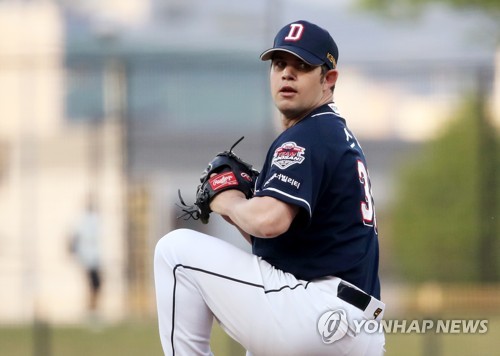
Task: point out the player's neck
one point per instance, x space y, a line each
287 121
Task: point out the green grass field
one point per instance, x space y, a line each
127 339
141 339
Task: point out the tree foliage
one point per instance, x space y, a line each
436 221
396 8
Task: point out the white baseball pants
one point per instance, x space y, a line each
269 312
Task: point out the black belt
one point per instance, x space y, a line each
353 296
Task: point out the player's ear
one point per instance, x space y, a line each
331 77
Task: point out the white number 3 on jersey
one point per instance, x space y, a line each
367 206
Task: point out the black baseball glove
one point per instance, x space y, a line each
226 171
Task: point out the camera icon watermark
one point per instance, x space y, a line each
332 326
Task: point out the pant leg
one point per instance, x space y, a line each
198 276
192 333
266 310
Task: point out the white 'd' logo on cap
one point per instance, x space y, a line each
295 33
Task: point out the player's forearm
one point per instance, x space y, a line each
249 217
260 216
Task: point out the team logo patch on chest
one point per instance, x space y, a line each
288 154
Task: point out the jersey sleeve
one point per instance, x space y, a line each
293 171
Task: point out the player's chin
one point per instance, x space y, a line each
283 103
288 110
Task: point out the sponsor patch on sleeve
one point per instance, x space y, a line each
282 178
288 154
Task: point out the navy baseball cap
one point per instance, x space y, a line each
309 42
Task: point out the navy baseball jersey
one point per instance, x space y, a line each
319 166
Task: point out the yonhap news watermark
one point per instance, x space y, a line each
416 326
333 325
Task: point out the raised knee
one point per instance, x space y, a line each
178 234
175 241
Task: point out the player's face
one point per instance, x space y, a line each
296 87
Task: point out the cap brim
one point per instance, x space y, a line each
304 55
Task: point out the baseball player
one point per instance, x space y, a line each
309 217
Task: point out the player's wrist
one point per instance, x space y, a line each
224 201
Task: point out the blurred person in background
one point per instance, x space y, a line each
85 245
